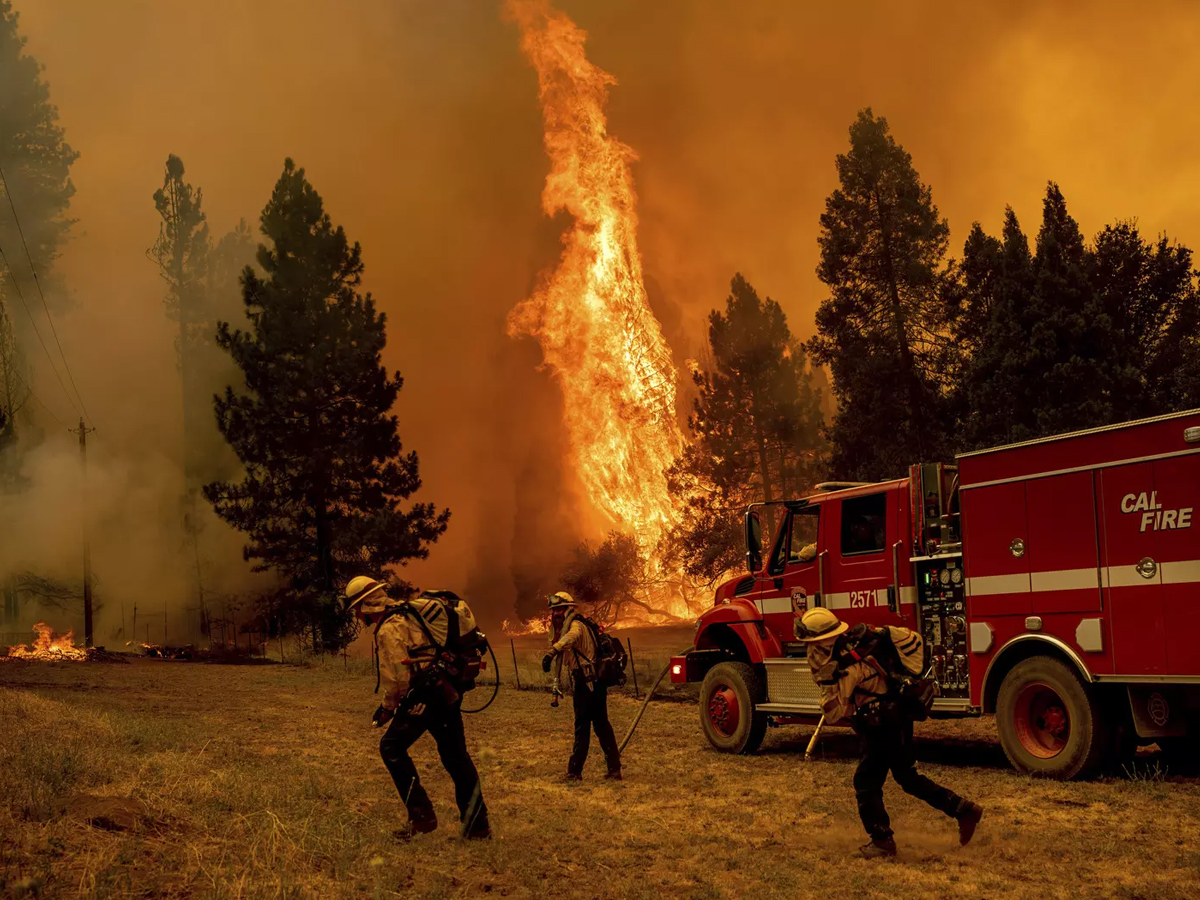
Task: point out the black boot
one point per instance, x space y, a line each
879 848
968 817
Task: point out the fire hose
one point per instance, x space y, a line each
646 702
495 688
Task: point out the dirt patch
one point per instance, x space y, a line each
109 813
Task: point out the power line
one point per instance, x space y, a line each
38 400
25 306
45 306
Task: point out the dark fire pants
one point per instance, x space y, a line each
445 724
591 711
887 744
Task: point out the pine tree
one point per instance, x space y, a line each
990 324
181 253
1051 359
755 430
36 161
35 157
202 289
325 478
1149 291
883 248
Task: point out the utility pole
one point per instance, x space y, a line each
83 431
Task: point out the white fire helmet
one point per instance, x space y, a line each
366 594
561 600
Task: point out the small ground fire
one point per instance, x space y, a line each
48 648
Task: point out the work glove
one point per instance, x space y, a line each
382 716
547 660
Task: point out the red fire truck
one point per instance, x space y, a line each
1056 583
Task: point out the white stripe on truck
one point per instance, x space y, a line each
1177 572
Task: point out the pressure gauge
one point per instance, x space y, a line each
944 576
956 576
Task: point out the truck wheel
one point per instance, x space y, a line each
727 708
1049 723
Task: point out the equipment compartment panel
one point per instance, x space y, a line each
942 598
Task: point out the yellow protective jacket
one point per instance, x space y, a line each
402 646
861 683
576 648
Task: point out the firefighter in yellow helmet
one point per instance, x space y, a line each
416 699
572 642
858 674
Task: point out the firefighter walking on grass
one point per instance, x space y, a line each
862 678
572 642
415 644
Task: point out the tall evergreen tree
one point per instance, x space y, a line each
755 430
1149 291
325 480
883 257
33 151
36 161
1051 358
201 289
990 322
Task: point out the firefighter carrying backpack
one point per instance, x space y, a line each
460 658
611 659
898 654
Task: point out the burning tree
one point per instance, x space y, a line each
591 316
325 475
611 578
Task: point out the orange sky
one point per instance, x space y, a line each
418 123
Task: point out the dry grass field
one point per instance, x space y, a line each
264 781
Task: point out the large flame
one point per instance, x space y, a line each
49 648
591 316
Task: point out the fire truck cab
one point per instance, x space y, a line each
1056 584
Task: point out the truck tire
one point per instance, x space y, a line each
728 699
1049 722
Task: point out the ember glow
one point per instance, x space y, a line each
591 316
48 648
536 625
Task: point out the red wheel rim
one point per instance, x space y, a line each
723 710
1042 722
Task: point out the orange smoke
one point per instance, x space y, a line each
591 316
47 647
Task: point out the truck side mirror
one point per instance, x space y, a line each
753 542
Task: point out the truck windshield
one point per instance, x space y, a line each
802 547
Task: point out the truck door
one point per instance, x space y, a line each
792 570
861 532
1176 551
1064 547
1133 578
995 540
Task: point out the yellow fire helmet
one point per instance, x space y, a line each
366 593
561 600
820 625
